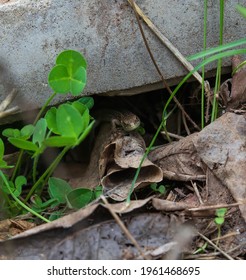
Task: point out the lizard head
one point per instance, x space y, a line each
129 121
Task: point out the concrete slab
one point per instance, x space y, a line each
32 33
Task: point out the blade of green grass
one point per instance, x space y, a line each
217 49
219 66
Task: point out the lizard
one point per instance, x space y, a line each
118 118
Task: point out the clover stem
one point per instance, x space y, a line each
47 172
17 165
34 170
45 106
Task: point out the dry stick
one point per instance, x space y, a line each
185 124
197 192
207 256
172 135
216 247
138 13
123 227
204 208
228 235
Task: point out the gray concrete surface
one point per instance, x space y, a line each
32 33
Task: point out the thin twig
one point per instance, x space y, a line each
204 208
216 247
138 13
208 96
197 192
185 124
228 235
123 227
207 256
172 135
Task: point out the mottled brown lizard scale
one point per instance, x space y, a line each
125 119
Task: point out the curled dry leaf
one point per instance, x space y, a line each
118 164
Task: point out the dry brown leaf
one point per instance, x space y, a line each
4 229
222 147
119 162
12 227
70 220
166 205
238 87
179 160
217 192
232 92
65 222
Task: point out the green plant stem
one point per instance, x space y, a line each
45 106
238 67
219 66
166 133
203 68
19 201
17 165
34 169
48 171
165 116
